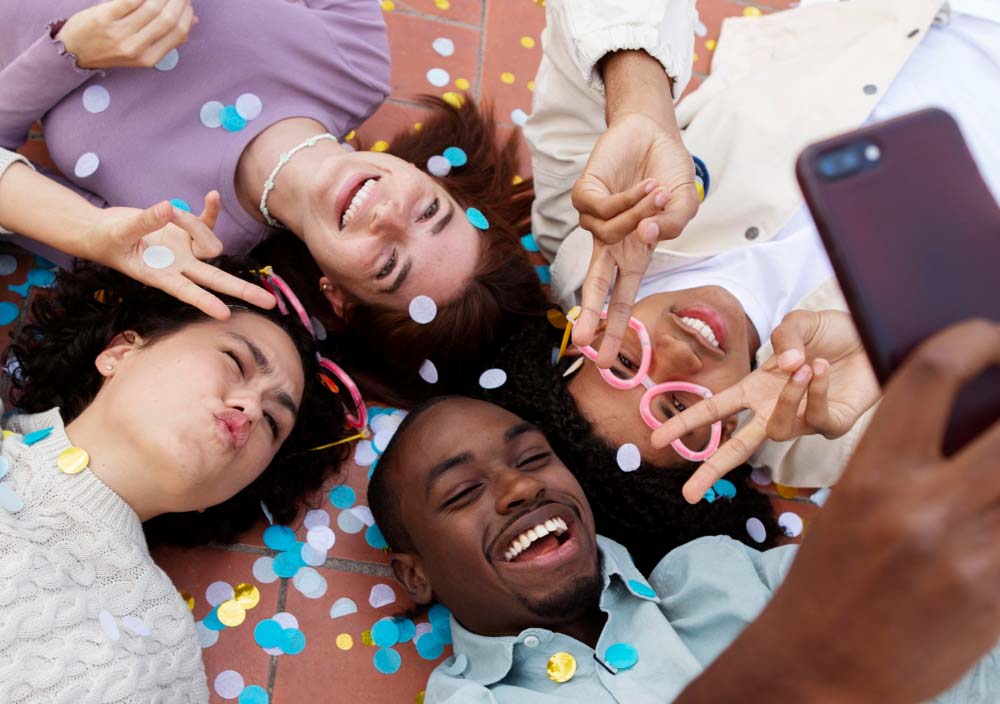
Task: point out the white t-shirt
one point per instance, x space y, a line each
956 67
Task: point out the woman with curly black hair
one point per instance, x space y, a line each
175 423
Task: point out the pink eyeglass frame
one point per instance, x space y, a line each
653 390
285 297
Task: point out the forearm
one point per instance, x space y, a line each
635 82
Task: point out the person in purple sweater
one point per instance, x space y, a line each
149 105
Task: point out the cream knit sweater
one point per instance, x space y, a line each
85 614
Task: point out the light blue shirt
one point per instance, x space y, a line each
694 604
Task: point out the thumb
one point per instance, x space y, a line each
789 341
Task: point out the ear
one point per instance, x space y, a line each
334 294
409 571
122 345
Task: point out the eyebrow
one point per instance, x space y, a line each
264 366
443 467
520 429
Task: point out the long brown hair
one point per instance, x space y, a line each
385 347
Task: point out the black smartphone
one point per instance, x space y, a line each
913 234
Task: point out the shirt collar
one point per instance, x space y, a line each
488 659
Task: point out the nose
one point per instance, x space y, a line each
514 489
388 218
673 356
250 405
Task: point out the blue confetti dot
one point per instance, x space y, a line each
231 119
293 641
253 694
710 496
438 612
477 218
442 631
641 588
385 633
279 537
456 156
407 629
8 312
41 277
268 633
374 537
180 204
387 661
287 565
621 656
379 411
32 438
212 621
342 497
429 647
544 273
701 170
528 242
725 489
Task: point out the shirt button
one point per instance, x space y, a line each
531 641
870 89
751 233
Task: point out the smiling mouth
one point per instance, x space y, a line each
706 324
356 200
540 540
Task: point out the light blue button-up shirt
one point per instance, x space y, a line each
709 590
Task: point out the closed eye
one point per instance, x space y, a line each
239 364
538 457
458 498
431 211
273 424
390 265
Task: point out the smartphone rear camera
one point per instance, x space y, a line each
848 160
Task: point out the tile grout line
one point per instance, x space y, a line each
410 12
481 53
338 564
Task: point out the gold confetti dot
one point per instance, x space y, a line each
752 12
540 3
247 595
507 77
517 180
786 492
695 58
462 84
230 613
366 638
420 697
388 5
344 641
527 42
188 599
561 667
531 86
73 460
701 190
350 135
418 126
380 146
7 434
442 4
710 44
453 99
556 318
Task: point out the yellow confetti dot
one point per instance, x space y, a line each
442 4
73 460
7 434
540 3
344 641
388 5
531 86
695 58
527 42
380 146
230 613
517 180
247 595
420 697
507 77
366 638
786 492
462 84
561 667
188 599
418 126
752 12
453 99
701 190
350 135
710 44
556 318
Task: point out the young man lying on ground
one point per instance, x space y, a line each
482 516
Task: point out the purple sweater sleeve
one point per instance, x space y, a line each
32 84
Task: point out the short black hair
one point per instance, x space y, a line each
643 510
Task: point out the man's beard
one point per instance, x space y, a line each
579 596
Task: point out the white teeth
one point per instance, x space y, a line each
550 525
702 328
556 526
357 201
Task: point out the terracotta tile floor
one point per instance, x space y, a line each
492 50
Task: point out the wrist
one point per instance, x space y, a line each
636 83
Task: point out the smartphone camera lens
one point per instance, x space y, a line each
848 160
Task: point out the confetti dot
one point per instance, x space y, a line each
456 156
385 633
418 126
180 204
791 523
169 61
453 99
527 42
312 556
518 117
342 497
380 146
507 77
343 607
477 218
387 661
517 180
158 257
531 86
37 436
108 624
438 166
493 378
219 592
462 83
247 595
628 457
819 498
248 106
428 372
406 629
231 120
321 537
751 12
4 466
528 242
229 684
286 620
641 588
756 530
442 630
231 613
374 537
211 114
86 165
9 500
786 492
279 537
349 522
212 621
263 570
268 633
287 564
381 595
423 309
366 639
725 489
428 647
345 641
443 46
96 99
254 694
206 636
760 476
8 264
442 4
188 599
137 626
364 453
544 273
621 656
710 44
388 5
293 641
438 77
316 517
310 583
700 29
419 699
561 667
8 312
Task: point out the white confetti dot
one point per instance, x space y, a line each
286 619
263 570
343 607
438 77
791 523
386 422
349 523
267 513
321 537
423 309
310 583
381 595
493 378
96 99
364 453
628 457
137 626
700 29
158 257
438 166
249 106
229 684
211 113
364 514
86 165
428 372
518 117
206 636
444 46
422 628
319 330
8 264
760 476
756 530
316 517
219 592
108 624
10 500
312 556
819 498
169 61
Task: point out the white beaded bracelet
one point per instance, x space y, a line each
282 160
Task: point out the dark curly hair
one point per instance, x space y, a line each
643 510
52 358
380 343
